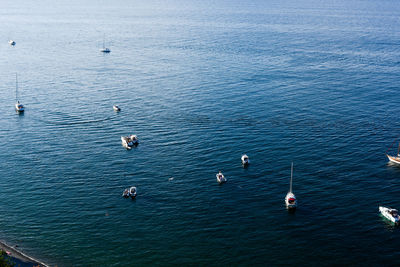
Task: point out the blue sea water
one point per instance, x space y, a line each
200 83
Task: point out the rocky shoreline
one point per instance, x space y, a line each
20 258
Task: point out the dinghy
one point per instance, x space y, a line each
220 178
132 192
125 194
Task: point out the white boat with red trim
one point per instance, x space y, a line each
290 199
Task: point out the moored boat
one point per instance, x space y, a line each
116 108
245 160
125 194
126 142
390 214
220 177
104 49
11 42
134 139
18 106
290 199
133 192
394 159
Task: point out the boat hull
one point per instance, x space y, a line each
386 213
221 179
290 201
394 159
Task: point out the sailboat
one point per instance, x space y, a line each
18 106
395 159
290 199
105 49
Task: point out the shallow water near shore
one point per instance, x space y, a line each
200 83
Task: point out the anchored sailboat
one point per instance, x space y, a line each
105 49
290 199
394 159
18 106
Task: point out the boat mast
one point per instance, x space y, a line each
398 151
16 87
291 177
104 42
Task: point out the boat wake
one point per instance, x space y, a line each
64 119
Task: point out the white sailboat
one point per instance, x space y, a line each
290 199
104 49
18 106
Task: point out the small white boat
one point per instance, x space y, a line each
290 199
132 192
11 42
129 141
134 139
126 142
245 160
390 214
116 108
126 194
220 178
18 106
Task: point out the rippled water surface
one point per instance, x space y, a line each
200 83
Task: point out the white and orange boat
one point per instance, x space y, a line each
395 159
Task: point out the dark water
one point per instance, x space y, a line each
200 83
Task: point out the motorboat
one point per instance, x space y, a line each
245 160
220 178
290 199
11 42
127 142
133 192
134 139
126 194
18 106
116 108
390 214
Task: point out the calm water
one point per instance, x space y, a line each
200 83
